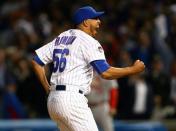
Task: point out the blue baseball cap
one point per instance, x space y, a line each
86 12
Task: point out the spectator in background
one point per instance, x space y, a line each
143 102
26 81
12 107
126 38
161 33
144 48
135 95
136 99
103 101
125 91
159 82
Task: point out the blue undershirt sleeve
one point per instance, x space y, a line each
37 59
100 66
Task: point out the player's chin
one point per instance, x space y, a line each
95 33
97 29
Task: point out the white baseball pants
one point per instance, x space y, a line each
70 111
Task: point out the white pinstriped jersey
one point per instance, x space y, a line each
71 53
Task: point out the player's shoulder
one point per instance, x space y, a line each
64 33
85 37
81 37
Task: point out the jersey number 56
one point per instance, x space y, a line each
59 63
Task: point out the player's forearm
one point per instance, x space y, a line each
115 73
40 72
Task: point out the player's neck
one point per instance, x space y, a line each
85 30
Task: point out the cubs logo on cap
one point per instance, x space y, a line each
86 12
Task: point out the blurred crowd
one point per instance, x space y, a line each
131 29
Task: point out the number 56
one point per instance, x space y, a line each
59 62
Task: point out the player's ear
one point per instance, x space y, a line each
86 23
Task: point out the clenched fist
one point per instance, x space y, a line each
138 66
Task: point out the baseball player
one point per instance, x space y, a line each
74 54
102 101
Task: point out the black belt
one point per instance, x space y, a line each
63 88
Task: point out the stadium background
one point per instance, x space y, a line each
131 29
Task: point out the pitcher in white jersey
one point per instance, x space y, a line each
74 54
